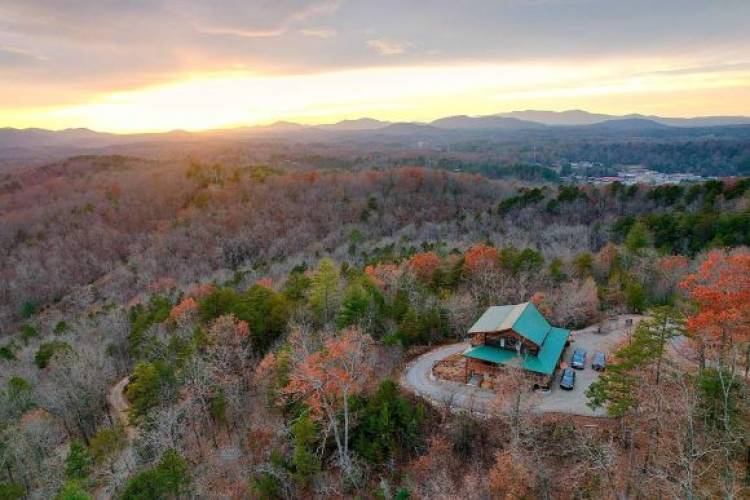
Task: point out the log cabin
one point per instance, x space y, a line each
511 336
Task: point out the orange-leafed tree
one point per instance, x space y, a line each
424 265
201 291
720 290
265 283
326 379
480 257
184 311
384 276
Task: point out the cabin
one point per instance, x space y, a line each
513 336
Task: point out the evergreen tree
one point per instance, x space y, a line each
617 388
168 479
389 426
73 490
266 312
151 384
638 237
325 290
306 463
79 460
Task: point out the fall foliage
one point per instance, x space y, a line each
259 318
479 258
423 265
721 291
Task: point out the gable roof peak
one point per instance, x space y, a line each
524 319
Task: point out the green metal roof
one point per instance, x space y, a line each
525 319
531 324
549 354
544 362
491 354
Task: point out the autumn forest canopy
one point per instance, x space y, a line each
187 328
381 250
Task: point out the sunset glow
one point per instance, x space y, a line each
307 62
400 93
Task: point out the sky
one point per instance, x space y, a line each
152 65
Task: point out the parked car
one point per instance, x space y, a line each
568 379
599 362
579 359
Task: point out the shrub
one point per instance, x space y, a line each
73 490
266 485
78 462
28 309
142 317
389 425
28 332
150 384
7 352
106 442
11 491
47 350
19 392
168 479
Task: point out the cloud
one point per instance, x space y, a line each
12 56
94 47
319 32
387 47
268 20
242 33
317 9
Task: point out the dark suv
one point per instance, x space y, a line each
568 379
579 359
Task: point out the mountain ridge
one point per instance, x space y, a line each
510 122
578 117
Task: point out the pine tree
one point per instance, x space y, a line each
306 463
78 462
325 290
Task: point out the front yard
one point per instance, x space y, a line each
452 368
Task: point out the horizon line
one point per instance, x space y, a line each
304 124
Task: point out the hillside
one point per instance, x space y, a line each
219 299
480 144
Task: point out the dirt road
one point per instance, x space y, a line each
119 406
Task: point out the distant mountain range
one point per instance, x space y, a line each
577 117
17 144
464 122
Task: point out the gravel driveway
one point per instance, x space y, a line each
418 376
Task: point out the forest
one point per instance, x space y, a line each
259 317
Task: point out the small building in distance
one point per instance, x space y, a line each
511 336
